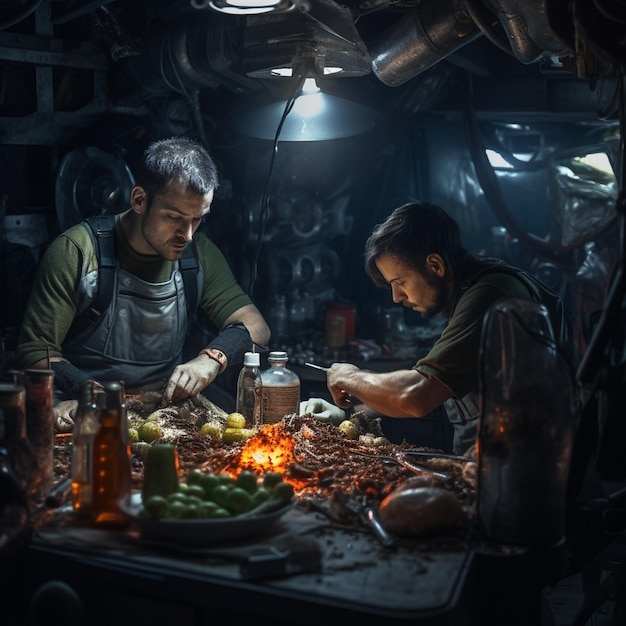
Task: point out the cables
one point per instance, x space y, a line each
264 215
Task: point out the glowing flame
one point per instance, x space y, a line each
268 450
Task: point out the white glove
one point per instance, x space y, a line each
323 411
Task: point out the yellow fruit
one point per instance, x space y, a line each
133 435
211 429
149 431
246 433
235 420
232 435
349 429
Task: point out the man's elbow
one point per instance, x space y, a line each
260 333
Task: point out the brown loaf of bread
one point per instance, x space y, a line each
420 510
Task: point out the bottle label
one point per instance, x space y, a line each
279 401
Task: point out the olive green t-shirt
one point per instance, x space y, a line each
454 358
54 300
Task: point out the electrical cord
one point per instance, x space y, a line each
264 215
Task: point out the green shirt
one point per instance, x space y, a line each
454 358
54 300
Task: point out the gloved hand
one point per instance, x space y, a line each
323 411
64 412
189 379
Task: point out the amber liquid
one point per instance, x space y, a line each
81 498
111 471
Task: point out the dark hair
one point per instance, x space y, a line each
412 232
181 159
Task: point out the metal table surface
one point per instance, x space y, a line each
120 577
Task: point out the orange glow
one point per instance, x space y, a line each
268 450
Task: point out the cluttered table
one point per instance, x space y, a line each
301 570
319 557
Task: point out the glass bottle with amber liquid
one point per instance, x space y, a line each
39 389
111 476
86 425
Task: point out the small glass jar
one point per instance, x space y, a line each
281 389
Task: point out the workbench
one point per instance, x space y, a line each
95 577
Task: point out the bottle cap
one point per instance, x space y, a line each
252 359
277 356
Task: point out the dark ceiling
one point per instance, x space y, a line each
68 63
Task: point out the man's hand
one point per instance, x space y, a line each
323 411
336 378
64 413
189 379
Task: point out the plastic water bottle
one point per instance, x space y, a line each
249 390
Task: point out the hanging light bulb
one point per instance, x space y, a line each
246 7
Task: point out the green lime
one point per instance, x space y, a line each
220 513
194 500
194 477
176 509
191 511
225 479
220 495
156 506
247 480
207 508
195 490
284 491
260 495
239 501
177 496
271 479
208 482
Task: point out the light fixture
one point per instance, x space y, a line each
321 34
246 7
314 117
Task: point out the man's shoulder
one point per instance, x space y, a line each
487 270
76 237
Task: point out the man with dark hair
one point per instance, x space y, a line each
417 252
114 296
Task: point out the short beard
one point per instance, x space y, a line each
441 298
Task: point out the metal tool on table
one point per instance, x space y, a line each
399 459
370 517
346 397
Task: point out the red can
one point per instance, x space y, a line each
345 309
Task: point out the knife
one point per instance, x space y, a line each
317 367
346 397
